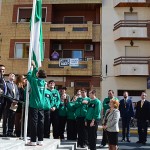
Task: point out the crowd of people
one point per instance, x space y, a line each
79 115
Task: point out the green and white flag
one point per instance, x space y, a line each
36 36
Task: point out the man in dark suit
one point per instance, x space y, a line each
142 115
3 89
11 106
126 112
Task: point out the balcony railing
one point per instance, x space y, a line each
131 23
131 60
131 3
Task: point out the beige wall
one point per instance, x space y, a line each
112 49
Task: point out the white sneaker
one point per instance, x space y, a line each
31 144
40 143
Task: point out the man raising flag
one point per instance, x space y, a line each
35 100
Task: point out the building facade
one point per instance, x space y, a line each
126 47
71 33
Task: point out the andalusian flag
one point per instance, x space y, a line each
36 37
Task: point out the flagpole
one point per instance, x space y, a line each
29 66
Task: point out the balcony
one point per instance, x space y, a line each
83 69
88 31
131 3
132 30
70 31
131 66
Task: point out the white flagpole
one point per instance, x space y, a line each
29 66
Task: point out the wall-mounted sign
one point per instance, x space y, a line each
73 62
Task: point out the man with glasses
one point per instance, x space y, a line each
142 116
3 89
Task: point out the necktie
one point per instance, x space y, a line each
142 102
125 101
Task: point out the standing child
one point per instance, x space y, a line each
36 105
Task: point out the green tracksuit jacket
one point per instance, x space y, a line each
37 91
48 98
71 111
94 110
62 109
81 109
55 102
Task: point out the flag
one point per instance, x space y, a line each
35 51
36 36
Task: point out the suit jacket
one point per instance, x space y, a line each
112 120
126 108
142 114
11 94
3 87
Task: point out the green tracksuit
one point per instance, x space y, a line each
62 109
71 111
81 109
37 91
106 103
55 102
48 99
94 110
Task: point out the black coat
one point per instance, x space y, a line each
143 113
126 109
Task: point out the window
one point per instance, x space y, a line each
24 14
73 19
134 95
79 29
57 29
82 84
72 54
22 50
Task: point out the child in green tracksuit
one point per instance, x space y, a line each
55 102
81 105
92 119
71 120
62 116
36 105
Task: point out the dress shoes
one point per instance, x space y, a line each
128 140
144 143
138 142
123 140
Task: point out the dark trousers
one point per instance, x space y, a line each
126 127
82 131
36 124
92 134
71 129
18 124
2 105
54 120
104 138
46 123
8 121
62 125
142 130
